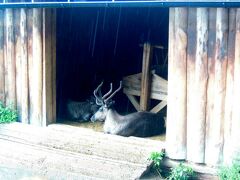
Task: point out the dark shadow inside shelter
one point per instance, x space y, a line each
95 44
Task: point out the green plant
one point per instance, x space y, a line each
181 172
231 172
7 114
157 158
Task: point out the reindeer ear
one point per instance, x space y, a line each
110 103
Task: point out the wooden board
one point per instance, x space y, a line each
74 151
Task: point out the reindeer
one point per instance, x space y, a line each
82 111
140 124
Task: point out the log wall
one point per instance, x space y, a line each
211 85
27 60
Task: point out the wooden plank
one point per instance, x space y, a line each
18 46
176 112
156 85
216 130
37 67
236 102
24 66
191 61
2 74
134 102
158 107
50 163
10 60
211 77
146 77
47 67
229 85
54 63
71 141
153 95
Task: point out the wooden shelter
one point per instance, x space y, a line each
203 115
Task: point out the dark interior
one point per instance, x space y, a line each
95 44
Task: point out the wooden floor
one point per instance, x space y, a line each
67 152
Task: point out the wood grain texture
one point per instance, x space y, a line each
10 65
146 77
229 85
177 87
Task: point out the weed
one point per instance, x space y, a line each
7 114
181 172
231 172
157 158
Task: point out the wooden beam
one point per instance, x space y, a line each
2 74
229 86
10 65
134 101
158 107
24 67
176 112
146 77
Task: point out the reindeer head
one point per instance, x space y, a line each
104 101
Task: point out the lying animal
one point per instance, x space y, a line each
81 111
140 124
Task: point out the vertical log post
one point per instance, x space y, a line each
18 45
220 84
30 61
176 112
10 81
229 85
24 67
236 102
196 145
216 126
2 76
54 88
146 77
47 67
211 77
191 58
37 67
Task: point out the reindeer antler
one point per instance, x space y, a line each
99 100
106 100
